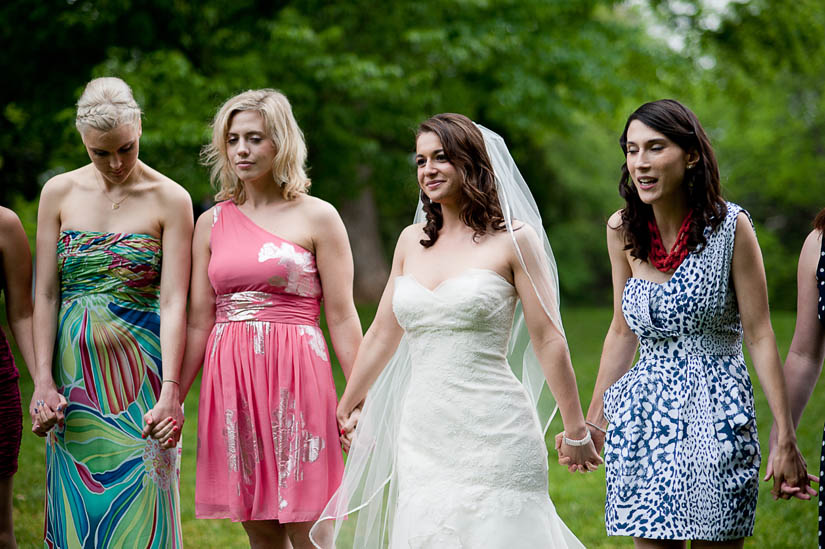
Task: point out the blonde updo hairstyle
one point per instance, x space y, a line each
281 128
105 104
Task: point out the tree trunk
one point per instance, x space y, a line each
371 269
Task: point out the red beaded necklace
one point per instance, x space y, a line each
658 256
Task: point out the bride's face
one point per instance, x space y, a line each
437 177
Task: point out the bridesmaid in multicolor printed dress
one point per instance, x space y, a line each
108 345
263 258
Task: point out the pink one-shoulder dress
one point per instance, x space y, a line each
267 435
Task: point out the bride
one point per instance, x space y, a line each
450 447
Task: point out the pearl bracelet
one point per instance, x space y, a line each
572 442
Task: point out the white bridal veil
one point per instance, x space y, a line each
363 506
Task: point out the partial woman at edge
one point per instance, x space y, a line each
803 364
16 284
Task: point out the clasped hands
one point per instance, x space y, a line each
347 421
789 471
168 430
584 458
47 409
48 406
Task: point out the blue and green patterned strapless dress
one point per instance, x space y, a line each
105 485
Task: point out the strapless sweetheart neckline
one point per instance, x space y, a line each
462 274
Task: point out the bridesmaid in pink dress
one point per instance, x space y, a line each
269 454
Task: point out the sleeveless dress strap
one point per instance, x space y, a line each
728 233
717 257
820 282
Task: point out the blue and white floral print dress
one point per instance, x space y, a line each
682 454
820 314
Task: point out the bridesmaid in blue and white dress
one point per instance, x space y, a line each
682 454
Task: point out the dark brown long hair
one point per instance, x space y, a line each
680 125
819 221
463 145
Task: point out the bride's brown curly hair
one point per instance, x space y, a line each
463 145
704 194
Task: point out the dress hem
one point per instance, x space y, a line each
307 517
680 538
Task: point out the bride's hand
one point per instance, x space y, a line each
578 458
346 425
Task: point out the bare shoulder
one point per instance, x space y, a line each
614 222
12 234
317 210
812 247
203 228
524 234
171 192
814 238
61 184
615 232
207 218
744 228
412 234
409 239
10 227
8 219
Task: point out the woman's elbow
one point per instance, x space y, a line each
339 313
172 305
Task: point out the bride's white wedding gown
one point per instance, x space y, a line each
471 461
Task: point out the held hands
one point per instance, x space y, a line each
166 432
347 421
46 409
165 421
789 471
583 458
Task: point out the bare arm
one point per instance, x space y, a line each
550 346
620 343
176 246
380 341
17 273
201 304
46 304
335 268
807 352
748 274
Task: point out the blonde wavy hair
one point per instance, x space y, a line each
281 128
105 104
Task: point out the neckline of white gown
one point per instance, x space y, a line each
462 274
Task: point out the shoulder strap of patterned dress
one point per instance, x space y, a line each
722 242
820 282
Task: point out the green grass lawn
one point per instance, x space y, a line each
579 499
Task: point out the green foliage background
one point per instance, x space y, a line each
556 78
